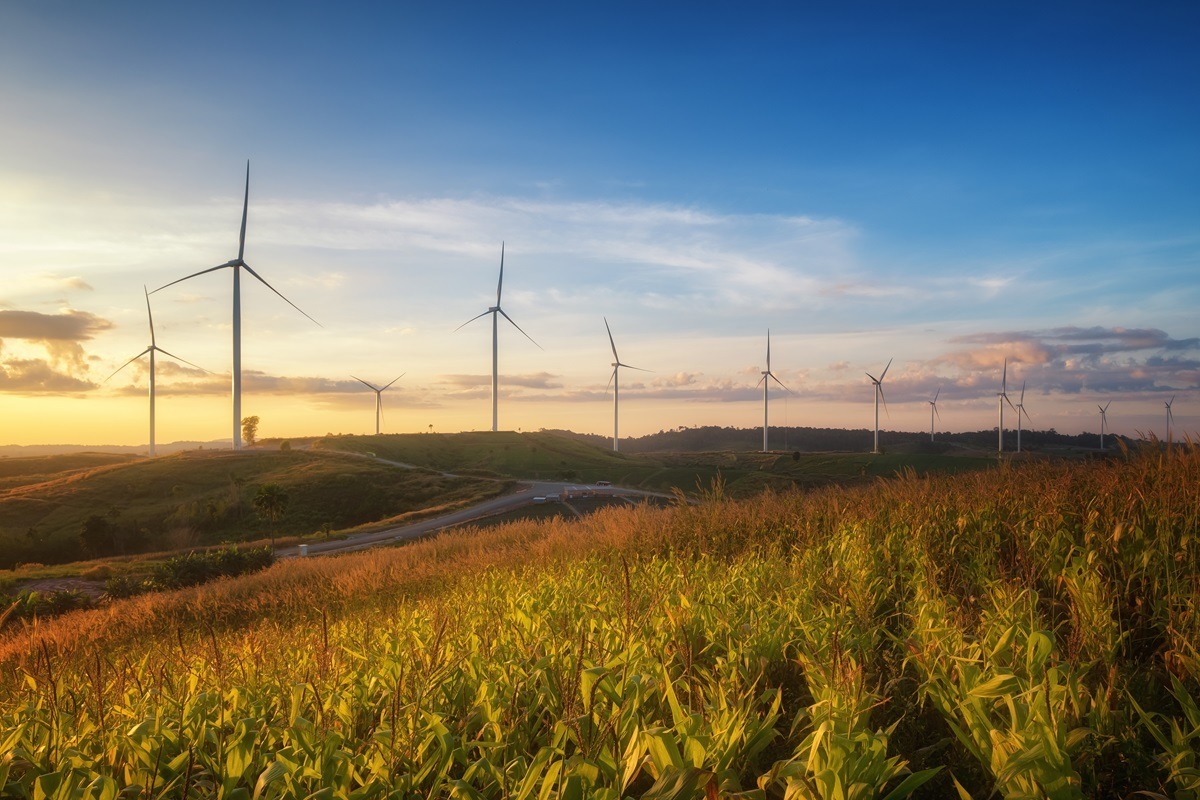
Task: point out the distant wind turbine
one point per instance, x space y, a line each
1103 421
151 349
1001 399
1170 419
1021 411
237 265
378 396
767 377
879 396
615 381
496 311
933 410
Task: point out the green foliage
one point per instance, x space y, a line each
250 429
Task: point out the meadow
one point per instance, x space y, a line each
1022 632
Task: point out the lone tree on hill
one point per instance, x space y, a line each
250 430
271 503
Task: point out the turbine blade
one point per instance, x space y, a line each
611 378
786 389
360 380
883 397
194 274
518 327
500 283
936 394
1022 392
885 369
472 319
398 377
127 363
177 358
1106 405
937 413
872 377
245 207
1010 402
1004 379
760 381
639 369
149 315
610 340
276 291
769 351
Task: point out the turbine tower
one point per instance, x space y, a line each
237 265
767 377
1001 399
378 396
1021 410
878 396
614 380
1103 421
1170 419
496 311
933 410
151 349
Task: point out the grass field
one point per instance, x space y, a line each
1026 631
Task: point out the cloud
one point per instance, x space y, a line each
60 334
36 376
536 380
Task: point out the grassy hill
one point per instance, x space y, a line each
206 497
1026 631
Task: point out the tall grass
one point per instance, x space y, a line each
1028 632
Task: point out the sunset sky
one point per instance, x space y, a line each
947 184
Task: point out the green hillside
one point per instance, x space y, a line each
206 497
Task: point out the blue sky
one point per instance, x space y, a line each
945 184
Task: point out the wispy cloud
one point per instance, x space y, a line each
60 334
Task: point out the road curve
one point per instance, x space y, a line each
525 493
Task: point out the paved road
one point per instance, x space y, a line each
523 496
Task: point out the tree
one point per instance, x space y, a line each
250 430
96 535
271 503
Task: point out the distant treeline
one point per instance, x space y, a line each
824 440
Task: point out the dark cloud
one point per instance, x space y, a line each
60 334
36 376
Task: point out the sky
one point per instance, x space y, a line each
951 187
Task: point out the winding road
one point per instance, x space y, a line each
523 496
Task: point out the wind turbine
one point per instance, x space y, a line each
879 395
1103 421
237 265
767 377
614 380
1021 410
933 410
378 396
1170 419
151 349
496 311
1001 399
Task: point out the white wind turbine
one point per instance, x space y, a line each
767 377
237 265
1103 421
1001 399
933 411
151 349
378 396
496 311
614 380
878 396
1170 419
1021 411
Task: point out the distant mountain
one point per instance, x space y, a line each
826 440
19 450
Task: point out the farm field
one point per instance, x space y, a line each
1024 631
